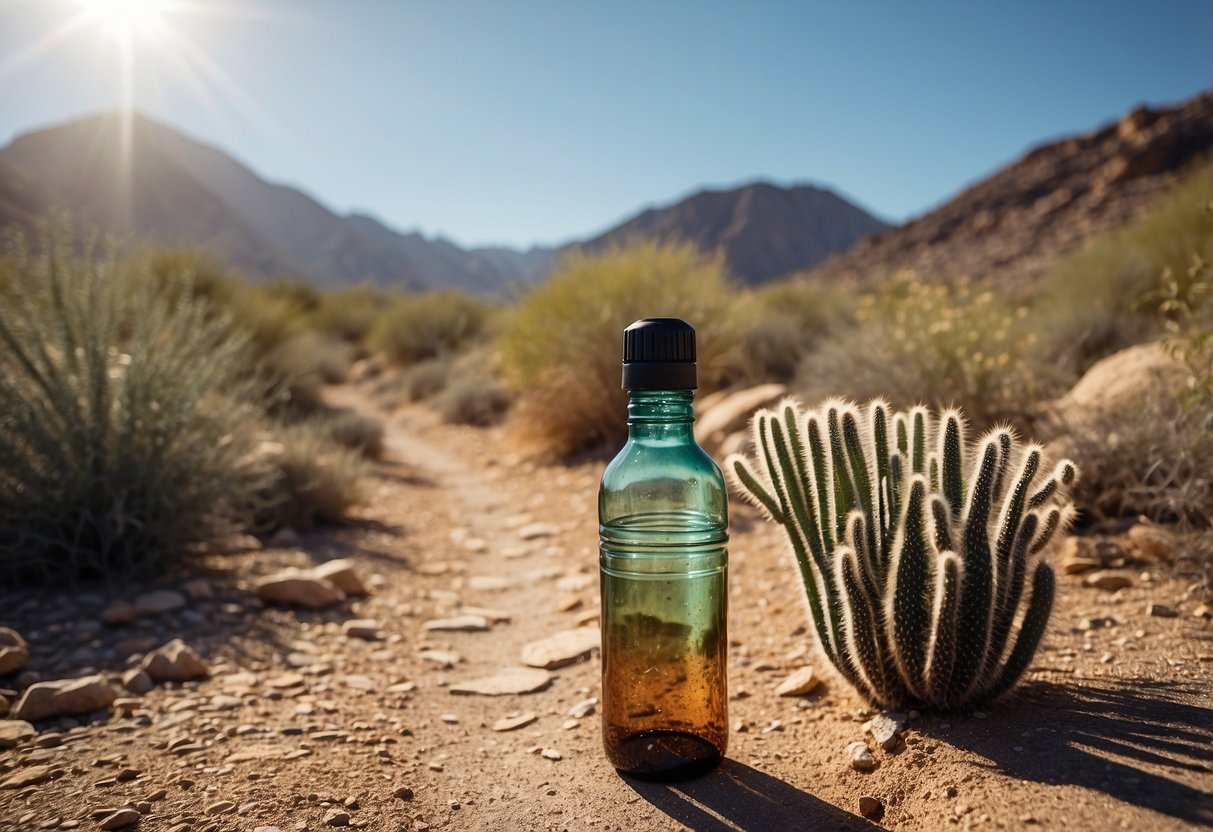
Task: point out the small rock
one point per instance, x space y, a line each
403 793
14 731
29 776
342 575
1160 610
510 723
534 531
120 819
562 648
137 681
223 807
494 616
870 807
1203 611
1153 541
568 603
174 662
450 719
296 588
551 754
886 729
158 602
359 682
363 628
1108 581
67 696
14 652
510 680
337 818
801 681
489 583
458 624
198 589
1078 565
445 658
861 757
583 708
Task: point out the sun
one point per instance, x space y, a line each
125 18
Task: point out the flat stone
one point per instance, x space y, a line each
511 723
494 616
459 624
1077 565
120 819
886 729
1161 611
118 614
359 682
1108 581
489 583
29 776
366 629
175 662
14 731
583 708
295 588
870 807
14 652
158 602
800 682
861 756
342 574
562 648
445 658
510 680
286 680
534 531
137 681
223 807
66 696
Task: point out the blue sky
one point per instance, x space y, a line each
522 122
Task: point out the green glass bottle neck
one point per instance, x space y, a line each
666 415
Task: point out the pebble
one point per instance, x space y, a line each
175 662
551 754
359 682
403 793
886 729
860 756
561 649
1161 611
363 628
870 807
223 807
510 723
535 531
458 624
337 818
1203 611
120 819
583 708
508 681
1108 581
450 719
801 681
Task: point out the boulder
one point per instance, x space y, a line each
174 662
65 696
729 413
14 652
14 731
1145 373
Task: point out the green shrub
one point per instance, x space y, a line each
419 327
480 402
318 481
782 323
1103 298
945 345
124 421
560 346
348 429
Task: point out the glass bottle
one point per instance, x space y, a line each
663 524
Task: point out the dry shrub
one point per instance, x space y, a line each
943 344
560 347
318 481
473 401
355 431
418 327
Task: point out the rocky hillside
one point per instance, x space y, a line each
171 189
763 230
1019 220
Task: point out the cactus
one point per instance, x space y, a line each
913 544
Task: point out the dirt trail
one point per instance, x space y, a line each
1112 730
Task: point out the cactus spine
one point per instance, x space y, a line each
914 545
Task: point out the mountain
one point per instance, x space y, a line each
175 190
1019 220
764 231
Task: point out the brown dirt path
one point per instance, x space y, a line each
1114 728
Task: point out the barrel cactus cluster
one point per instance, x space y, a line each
919 549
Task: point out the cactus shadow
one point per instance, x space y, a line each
1145 742
736 797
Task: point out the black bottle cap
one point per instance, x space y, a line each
659 354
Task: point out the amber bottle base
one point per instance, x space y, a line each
665 756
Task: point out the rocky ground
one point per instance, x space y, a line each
441 674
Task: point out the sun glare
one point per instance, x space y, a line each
125 18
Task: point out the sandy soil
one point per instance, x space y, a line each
1112 730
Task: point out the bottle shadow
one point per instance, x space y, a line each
737 798
1144 742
